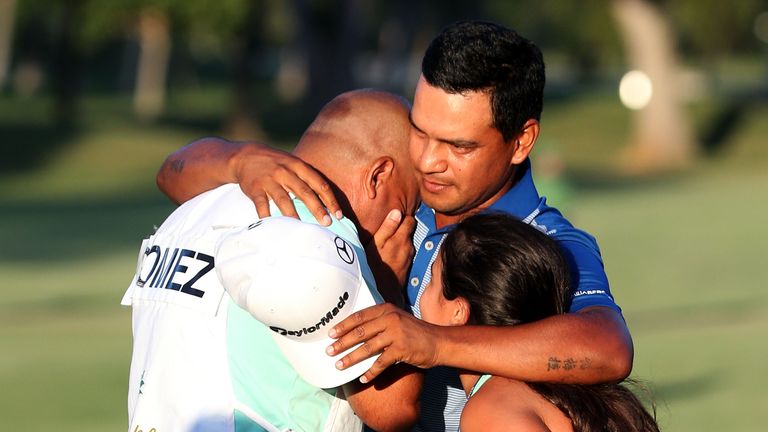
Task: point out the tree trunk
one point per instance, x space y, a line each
242 123
661 137
330 37
7 15
66 67
154 57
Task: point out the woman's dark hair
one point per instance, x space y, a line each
487 57
600 407
508 271
511 273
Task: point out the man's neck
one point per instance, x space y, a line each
444 220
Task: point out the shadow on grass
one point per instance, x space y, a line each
67 304
717 131
69 230
606 180
29 146
686 388
697 316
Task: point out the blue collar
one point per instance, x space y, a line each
522 198
519 201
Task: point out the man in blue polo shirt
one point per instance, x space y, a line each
475 119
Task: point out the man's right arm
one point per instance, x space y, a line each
264 174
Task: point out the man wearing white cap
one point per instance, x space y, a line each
231 312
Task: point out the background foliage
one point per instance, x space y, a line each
684 249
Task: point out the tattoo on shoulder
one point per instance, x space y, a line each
177 165
554 363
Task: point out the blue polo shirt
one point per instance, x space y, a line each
441 411
590 284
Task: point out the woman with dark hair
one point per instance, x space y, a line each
495 270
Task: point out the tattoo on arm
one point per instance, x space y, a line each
554 363
177 165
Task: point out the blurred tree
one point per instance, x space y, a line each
154 58
304 52
713 33
247 42
348 44
712 28
149 22
49 41
589 34
241 28
582 32
7 18
425 19
152 23
661 136
66 64
330 38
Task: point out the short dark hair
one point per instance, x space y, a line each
483 56
508 271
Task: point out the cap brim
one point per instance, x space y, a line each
313 364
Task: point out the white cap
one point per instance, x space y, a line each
299 279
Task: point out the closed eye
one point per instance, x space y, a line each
462 146
417 129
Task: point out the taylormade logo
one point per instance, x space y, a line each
324 320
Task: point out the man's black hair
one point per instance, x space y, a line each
483 56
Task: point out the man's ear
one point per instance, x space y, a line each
379 172
460 314
524 142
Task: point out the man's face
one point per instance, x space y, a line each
461 159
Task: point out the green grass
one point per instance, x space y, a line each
65 340
685 254
686 261
65 368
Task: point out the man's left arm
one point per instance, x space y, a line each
590 345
